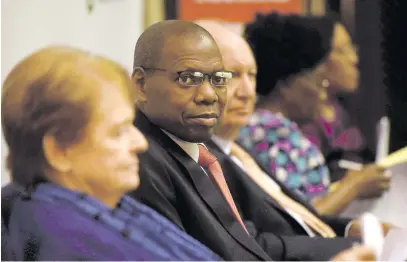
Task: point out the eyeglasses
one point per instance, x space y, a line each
195 78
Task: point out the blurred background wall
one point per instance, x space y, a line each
107 27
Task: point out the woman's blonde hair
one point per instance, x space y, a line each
52 92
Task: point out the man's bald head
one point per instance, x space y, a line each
229 42
150 45
237 58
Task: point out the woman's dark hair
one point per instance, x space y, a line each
284 45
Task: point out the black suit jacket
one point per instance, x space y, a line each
242 186
176 186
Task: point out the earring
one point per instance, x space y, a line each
325 83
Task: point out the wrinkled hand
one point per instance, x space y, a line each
356 253
372 181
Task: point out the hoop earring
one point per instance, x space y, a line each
325 83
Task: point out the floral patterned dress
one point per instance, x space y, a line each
280 147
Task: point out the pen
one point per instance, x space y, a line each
355 166
351 165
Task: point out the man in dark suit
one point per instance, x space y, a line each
180 85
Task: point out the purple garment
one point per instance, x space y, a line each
338 139
55 223
336 134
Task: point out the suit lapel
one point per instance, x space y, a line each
206 189
237 171
215 201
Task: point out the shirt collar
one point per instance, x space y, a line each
191 149
80 199
223 144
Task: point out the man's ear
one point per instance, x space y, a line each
139 84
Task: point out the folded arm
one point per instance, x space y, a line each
303 247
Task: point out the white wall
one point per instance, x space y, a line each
111 30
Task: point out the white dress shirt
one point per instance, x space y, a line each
225 146
190 148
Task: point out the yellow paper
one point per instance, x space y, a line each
395 158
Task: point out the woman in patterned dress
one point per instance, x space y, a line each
291 54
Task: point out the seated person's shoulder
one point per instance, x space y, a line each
9 193
154 148
154 162
156 172
155 156
58 231
268 127
270 121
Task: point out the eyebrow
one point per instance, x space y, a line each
239 69
192 69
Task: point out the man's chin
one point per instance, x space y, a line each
198 135
192 133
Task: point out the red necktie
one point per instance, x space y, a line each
209 161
